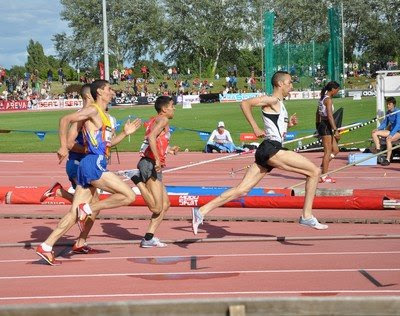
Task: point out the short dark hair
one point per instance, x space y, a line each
86 88
97 84
278 76
390 100
162 101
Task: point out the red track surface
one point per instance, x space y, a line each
221 268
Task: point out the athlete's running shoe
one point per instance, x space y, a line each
83 212
153 242
312 222
48 256
84 250
197 219
385 162
327 180
51 192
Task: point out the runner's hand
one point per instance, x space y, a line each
157 166
131 127
174 150
259 132
61 154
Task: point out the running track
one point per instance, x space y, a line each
229 258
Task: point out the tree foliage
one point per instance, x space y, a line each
219 33
208 29
37 60
132 30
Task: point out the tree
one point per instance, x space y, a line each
132 30
17 71
207 29
37 60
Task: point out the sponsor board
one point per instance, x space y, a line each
18 105
237 97
188 200
193 99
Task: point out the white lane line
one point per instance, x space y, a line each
12 161
341 291
349 253
139 274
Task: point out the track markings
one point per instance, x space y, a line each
292 254
196 294
219 273
12 161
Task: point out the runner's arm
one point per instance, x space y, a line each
247 106
64 124
161 123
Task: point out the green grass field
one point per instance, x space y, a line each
202 117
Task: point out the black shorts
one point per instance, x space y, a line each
147 170
265 151
324 128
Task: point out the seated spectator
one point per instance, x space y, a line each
389 129
221 141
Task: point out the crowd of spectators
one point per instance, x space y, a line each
135 84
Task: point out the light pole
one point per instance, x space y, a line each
77 66
105 37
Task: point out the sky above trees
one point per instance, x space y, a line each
22 20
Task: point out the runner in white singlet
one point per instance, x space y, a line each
270 153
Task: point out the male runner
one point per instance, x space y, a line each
270 154
149 179
92 172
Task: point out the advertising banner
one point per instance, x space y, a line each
18 105
237 97
188 98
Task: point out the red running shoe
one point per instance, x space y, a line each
327 180
83 212
47 256
51 192
84 250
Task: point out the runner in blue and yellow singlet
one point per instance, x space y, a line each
92 170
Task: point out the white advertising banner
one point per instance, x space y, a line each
189 98
57 104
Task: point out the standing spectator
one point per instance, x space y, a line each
50 76
60 75
174 73
234 70
169 73
2 75
143 70
326 127
115 75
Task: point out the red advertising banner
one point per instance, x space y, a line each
19 105
101 69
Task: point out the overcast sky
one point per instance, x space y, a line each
22 20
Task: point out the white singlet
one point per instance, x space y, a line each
275 124
322 107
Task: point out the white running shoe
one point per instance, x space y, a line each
312 222
197 219
153 242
